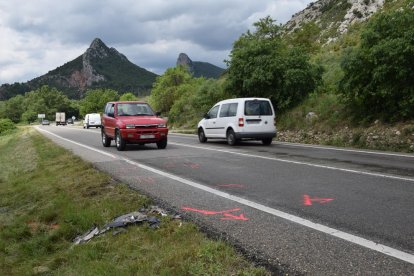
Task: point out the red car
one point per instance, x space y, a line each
132 122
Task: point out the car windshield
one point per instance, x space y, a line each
134 109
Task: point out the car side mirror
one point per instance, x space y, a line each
111 115
158 114
206 116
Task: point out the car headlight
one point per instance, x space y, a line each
129 126
162 125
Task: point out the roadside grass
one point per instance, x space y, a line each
48 197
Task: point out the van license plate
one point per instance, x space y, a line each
148 136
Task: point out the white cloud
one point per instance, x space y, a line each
37 36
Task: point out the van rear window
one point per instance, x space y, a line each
257 107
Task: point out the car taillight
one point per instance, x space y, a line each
241 122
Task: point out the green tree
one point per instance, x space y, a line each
95 100
44 100
378 77
128 97
263 65
166 88
14 108
196 100
307 37
29 116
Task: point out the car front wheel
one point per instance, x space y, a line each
162 144
202 136
106 141
120 142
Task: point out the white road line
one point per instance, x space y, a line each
349 150
297 162
401 255
76 143
319 147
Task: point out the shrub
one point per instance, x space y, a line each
378 78
6 125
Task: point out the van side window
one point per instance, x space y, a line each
224 111
233 109
258 108
228 110
213 112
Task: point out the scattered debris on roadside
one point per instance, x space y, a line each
119 224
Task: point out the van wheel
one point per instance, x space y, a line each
202 136
120 143
231 137
162 144
106 141
267 141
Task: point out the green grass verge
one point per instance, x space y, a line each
48 197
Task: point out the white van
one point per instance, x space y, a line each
92 120
241 118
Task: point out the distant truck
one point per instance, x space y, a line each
60 118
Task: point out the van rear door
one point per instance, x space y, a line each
259 116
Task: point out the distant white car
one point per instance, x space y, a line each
241 118
92 120
45 122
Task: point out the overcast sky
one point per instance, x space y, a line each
40 35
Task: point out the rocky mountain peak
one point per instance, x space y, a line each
185 61
98 49
97 43
334 17
199 68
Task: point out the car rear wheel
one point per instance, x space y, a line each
267 141
106 141
202 136
162 144
231 138
120 142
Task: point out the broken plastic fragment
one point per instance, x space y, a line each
87 236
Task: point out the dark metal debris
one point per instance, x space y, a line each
125 220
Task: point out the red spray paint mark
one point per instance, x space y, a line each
192 165
206 212
233 217
231 185
226 213
307 200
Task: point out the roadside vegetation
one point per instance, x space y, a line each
48 197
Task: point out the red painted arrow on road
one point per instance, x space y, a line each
233 217
226 213
207 212
307 200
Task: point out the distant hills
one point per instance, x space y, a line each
99 67
199 68
103 67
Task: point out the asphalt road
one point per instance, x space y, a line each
299 209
